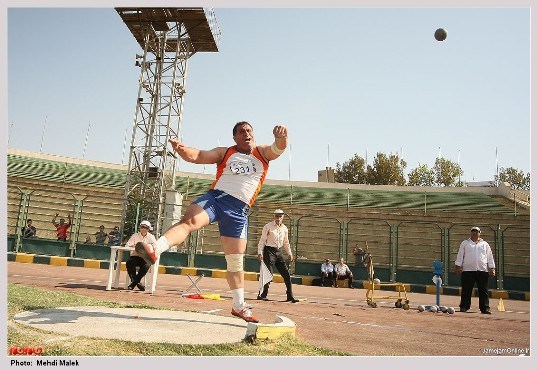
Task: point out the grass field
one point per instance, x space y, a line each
23 298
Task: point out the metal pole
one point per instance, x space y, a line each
289 176
21 218
124 144
43 135
77 216
10 132
459 164
425 203
291 195
514 200
500 258
393 253
137 217
438 292
86 140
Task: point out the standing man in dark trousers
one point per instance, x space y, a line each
475 264
274 238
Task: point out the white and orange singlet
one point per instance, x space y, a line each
241 175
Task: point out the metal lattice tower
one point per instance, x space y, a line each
168 38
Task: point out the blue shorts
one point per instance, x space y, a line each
230 213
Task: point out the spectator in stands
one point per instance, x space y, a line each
114 237
135 260
62 228
475 264
100 236
327 272
342 272
29 231
88 240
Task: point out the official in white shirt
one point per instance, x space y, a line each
475 264
143 235
274 238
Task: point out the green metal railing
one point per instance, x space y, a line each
397 245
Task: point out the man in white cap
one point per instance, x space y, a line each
475 264
240 172
144 236
275 238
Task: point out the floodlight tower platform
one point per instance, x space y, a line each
168 38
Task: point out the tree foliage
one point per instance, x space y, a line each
386 170
351 171
447 173
389 170
514 177
421 176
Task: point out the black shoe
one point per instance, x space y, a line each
131 286
351 287
486 312
463 309
292 300
141 286
262 298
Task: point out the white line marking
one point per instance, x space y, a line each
212 311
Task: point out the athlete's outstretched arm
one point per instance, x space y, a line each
276 149
198 156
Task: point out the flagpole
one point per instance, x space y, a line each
459 164
86 140
289 175
401 160
10 132
497 179
43 135
440 162
124 144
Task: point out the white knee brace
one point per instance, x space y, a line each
235 262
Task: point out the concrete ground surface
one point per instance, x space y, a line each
335 318
180 327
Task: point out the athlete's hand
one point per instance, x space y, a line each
178 146
260 257
279 131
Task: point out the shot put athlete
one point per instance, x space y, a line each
240 173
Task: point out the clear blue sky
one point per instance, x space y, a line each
353 80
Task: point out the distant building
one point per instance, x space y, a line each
326 175
482 183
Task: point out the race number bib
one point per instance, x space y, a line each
242 167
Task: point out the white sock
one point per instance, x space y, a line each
238 298
161 245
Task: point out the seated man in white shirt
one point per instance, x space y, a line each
327 272
342 272
135 260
